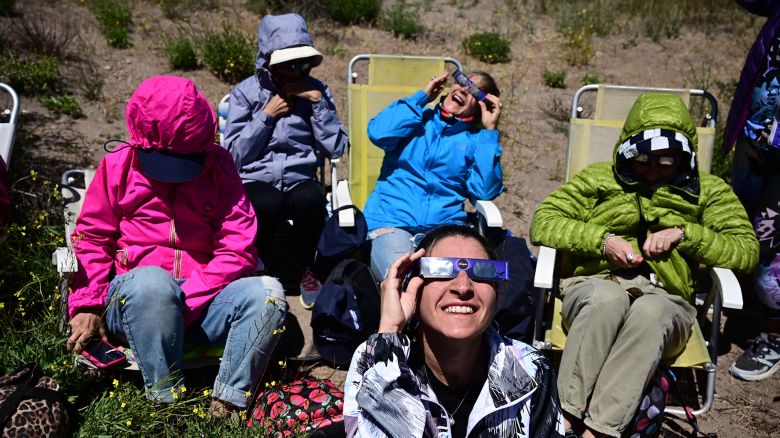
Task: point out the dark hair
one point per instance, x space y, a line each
437 234
486 83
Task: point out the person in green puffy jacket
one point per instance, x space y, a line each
632 233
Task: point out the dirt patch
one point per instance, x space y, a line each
534 142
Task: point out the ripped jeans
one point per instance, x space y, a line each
145 307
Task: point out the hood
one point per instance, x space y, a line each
278 32
665 118
167 113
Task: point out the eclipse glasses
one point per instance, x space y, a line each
476 269
661 160
464 81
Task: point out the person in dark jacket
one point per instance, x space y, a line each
280 124
752 125
437 367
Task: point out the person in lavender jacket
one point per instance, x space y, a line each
280 124
752 125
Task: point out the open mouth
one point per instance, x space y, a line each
458 99
459 310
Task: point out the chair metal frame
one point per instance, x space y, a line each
725 289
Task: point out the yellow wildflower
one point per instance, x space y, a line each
206 392
128 422
111 394
123 405
116 383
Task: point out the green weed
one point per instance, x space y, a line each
228 54
403 20
30 75
91 84
354 11
488 47
590 79
180 51
115 19
554 78
64 104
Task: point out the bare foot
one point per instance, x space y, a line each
222 409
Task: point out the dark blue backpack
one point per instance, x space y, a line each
346 312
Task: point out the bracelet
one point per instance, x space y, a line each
604 242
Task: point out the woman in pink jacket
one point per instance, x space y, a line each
165 242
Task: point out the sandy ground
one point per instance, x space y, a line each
534 143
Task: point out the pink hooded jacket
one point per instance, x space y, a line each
201 231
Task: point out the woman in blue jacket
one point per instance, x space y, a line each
279 123
435 158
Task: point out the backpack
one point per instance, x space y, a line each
514 308
346 312
31 404
649 417
338 243
310 406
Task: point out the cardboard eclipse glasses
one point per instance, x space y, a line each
476 269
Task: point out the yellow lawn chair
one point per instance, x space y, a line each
387 79
591 140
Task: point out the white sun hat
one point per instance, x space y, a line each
291 53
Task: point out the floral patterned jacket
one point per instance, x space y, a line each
387 394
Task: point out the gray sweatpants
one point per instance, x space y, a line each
613 346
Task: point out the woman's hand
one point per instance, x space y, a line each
303 90
82 327
277 107
661 241
435 86
398 306
490 116
621 253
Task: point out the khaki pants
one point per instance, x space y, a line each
613 346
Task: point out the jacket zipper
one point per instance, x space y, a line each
172 239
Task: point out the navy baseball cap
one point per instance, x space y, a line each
169 167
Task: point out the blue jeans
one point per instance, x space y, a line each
145 307
387 244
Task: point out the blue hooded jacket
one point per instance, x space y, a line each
430 167
281 151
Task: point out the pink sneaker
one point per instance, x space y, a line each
310 288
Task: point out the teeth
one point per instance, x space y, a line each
457 99
459 309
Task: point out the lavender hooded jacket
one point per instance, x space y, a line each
201 231
281 151
755 66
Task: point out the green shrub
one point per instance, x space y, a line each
181 53
65 104
354 11
554 78
229 55
115 19
46 32
403 20
7 7
590 79
30 75
488 47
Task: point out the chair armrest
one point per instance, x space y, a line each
489 210
545 265
342 198
725 282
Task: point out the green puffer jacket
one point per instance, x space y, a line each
603 198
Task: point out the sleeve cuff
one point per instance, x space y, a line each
87 299
420 98
488 136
